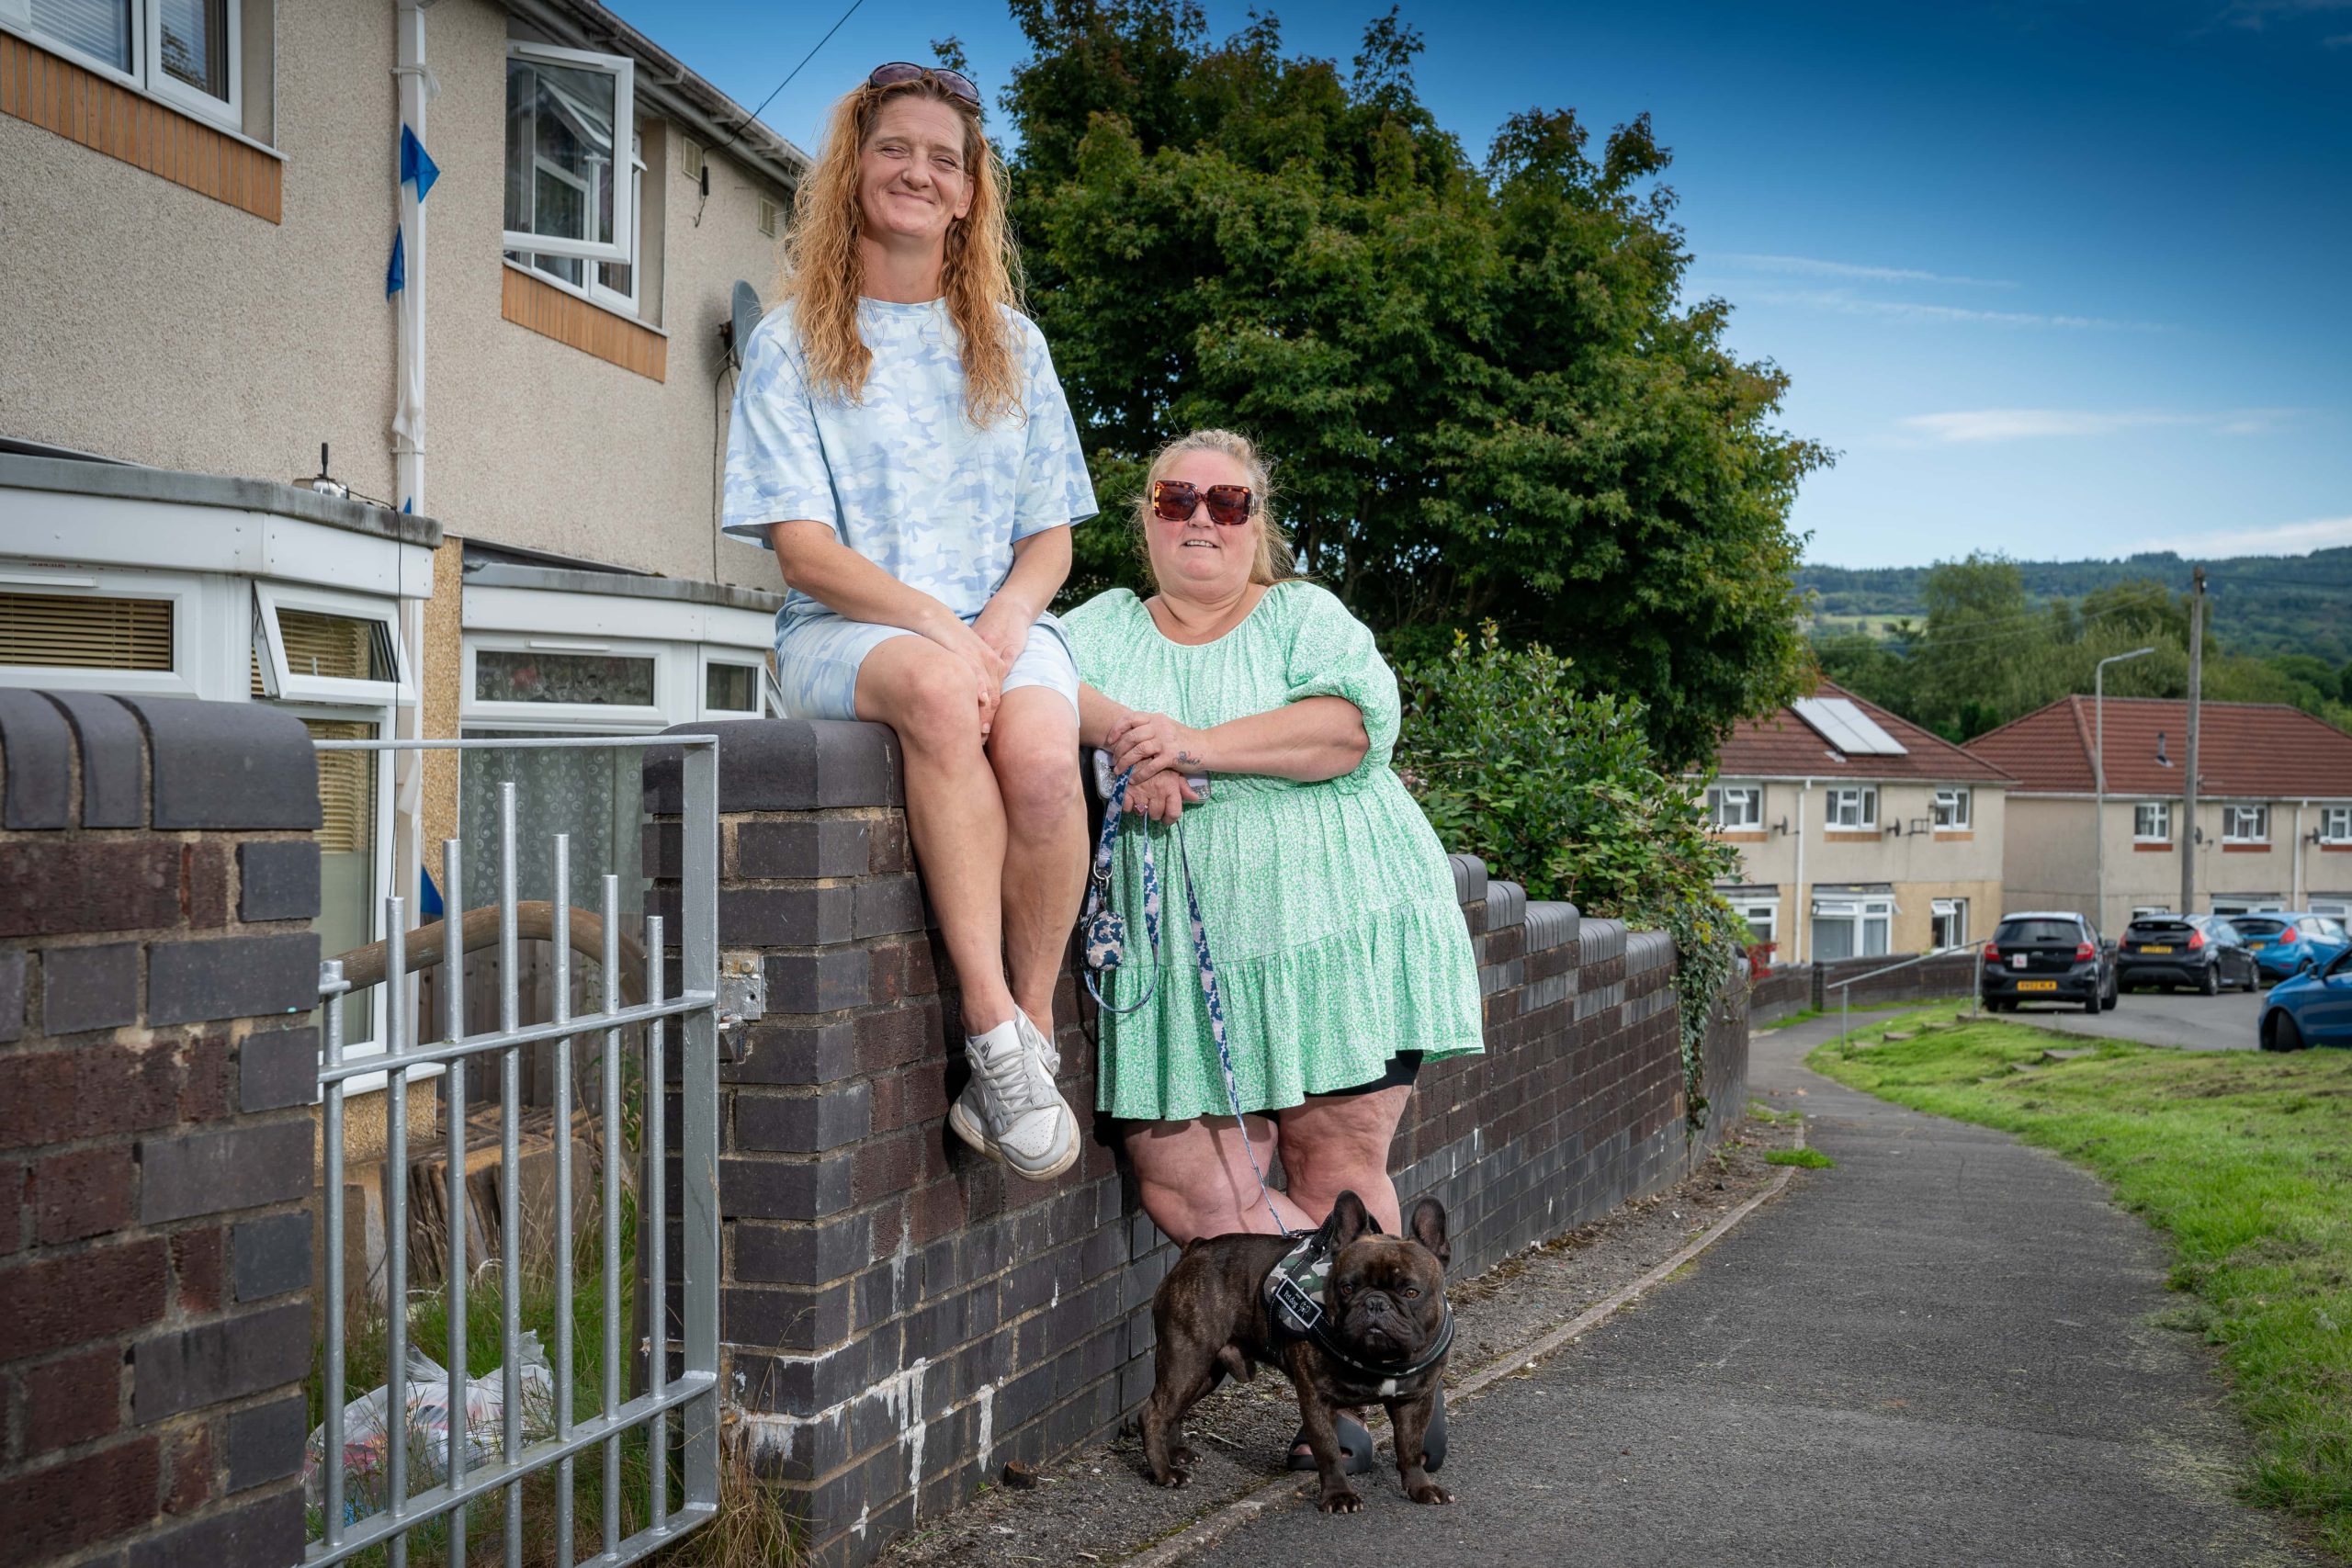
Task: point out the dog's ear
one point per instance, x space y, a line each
1428 1227
1350 1219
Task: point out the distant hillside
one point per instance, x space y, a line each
2260 604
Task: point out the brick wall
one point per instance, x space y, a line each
1793 988
157 879
899 1317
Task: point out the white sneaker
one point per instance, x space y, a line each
1011 1110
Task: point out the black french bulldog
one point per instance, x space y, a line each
1384 1307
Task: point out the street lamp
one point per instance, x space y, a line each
2098 773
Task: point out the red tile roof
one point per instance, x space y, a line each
2263 749
1784 746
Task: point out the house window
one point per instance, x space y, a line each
2246 824
1952 806
2152 822
769 217
570 206
183 52
1848 928
1763 918
2336 824
1855 807
58 631
1949 923
314 644
354 854
1736 806
731 687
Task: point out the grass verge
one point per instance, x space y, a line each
2243 1160
1811 1159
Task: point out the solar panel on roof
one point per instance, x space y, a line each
1847 727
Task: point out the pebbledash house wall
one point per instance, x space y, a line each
899 1316
159 872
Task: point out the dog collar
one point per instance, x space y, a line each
1386 1372
1294 1295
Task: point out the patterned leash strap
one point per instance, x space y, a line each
1216 1000
1106 932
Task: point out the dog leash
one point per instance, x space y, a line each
1106 946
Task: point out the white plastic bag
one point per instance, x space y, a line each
367 1442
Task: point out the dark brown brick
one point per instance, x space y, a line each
244 1168
266 1443
803 1123
12 995
204 884
78 1502
84 1193
53 886
200 1269
204 1078
187 1477
262 1534
73 1400
802 847
50 1303
14 1173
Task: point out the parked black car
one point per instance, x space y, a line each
2047 957
2203 951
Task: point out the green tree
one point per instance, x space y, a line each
1483 393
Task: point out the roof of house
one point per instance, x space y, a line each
2264 750
1784 746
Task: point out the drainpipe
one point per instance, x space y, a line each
416 88
1800 907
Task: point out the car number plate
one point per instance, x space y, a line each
2037 984
2155 950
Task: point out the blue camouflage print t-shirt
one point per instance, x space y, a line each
903 477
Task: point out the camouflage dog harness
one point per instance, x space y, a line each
1293 1289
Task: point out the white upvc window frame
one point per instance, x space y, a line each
146 75
1952 910
1721 798
2163 810
628 302
2336 824
383 830
625 192
1753 911
1865 798
1865 910
287 686
190 633
576 718
733 658
2234 818
1955 809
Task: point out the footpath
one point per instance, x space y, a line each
1947 1350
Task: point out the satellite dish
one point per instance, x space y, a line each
742 315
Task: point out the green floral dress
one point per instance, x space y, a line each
1329 906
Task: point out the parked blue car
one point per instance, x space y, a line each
2285 940
2313 1007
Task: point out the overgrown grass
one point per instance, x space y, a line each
2243 1160
1811 1159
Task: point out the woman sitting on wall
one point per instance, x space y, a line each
901 441
1342 961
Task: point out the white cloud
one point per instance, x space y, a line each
2281 539
2025 424
1847 302
1813 267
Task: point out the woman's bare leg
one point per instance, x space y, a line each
1195 1178
955 813
1339 1143
1034 750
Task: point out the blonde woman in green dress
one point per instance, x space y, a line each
1341 955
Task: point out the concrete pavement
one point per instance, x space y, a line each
1939 1353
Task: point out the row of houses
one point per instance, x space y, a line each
1860 833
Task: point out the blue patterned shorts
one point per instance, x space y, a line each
817 659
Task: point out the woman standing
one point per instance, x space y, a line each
901 441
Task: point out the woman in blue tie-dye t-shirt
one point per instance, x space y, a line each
901 441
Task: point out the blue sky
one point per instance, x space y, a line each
2055 279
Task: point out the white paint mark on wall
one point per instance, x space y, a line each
986 1401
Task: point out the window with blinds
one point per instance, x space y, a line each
346 787
341 647
79 632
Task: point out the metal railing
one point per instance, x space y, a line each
1845 988
692 1394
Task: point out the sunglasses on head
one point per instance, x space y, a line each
898 70
1172 501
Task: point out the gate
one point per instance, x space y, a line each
465 1464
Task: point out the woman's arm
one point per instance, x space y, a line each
815 561
1040 564
1311 740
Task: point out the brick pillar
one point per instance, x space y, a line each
900 1315
158 875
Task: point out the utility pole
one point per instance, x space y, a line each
2189 773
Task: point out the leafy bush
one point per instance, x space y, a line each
1560 790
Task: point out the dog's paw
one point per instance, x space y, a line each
1177 1476
1340 1500
1182 1457
1429 1491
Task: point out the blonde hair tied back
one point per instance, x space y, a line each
1274 562
823 278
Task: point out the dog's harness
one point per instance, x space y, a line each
1293 1289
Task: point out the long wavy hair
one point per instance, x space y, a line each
1273 562
823 276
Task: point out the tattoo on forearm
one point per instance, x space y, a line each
1186 758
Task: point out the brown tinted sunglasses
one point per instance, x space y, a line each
898 70
1172 501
